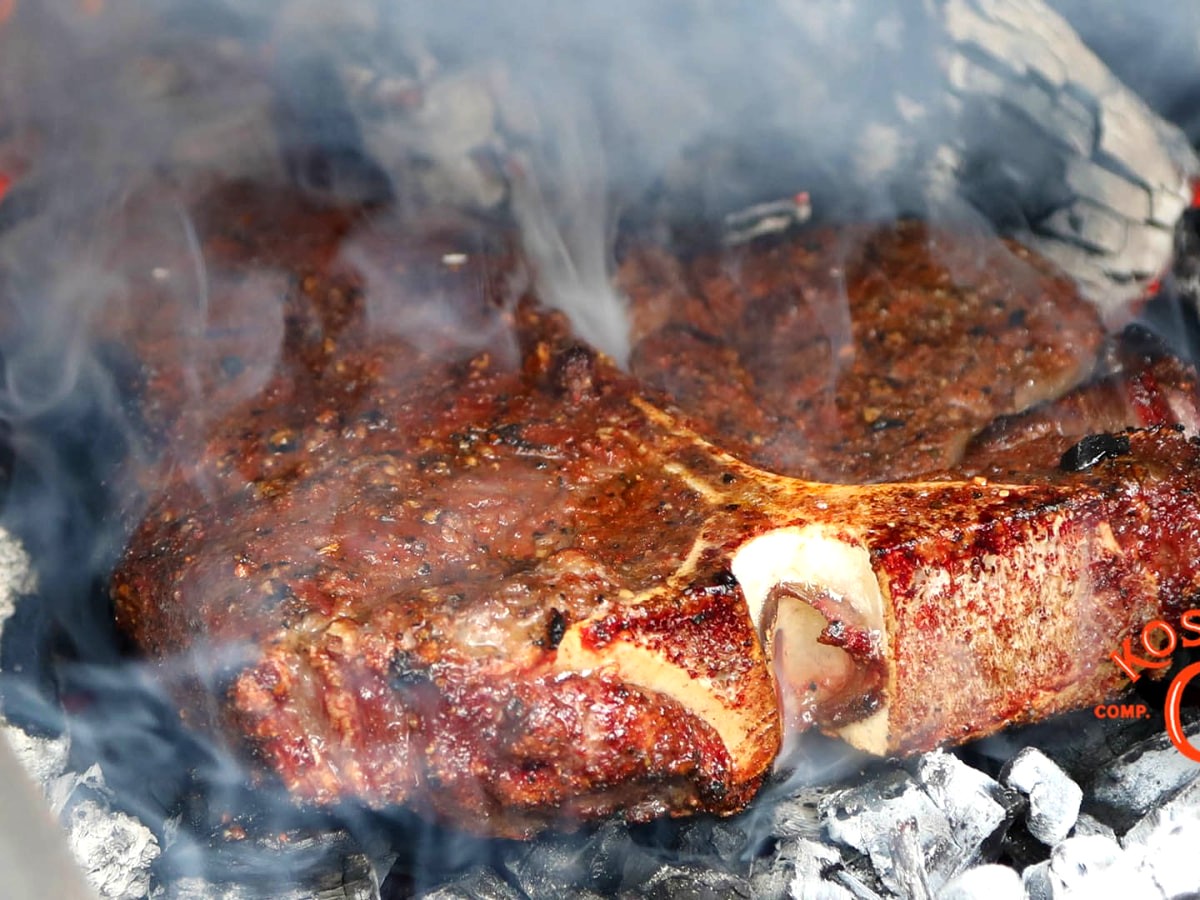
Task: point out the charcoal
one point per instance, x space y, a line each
541 869
44 758
798 814
911 876
1142 779
480 883
197 888
16 574
1088 824
987 882
611 859
1091 866
690 882
1053 797
797 869
1163 841
1021 849
715 839
953 811
114 849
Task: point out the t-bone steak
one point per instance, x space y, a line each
424 547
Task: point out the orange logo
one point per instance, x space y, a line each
1159 640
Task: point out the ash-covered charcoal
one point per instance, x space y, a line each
252 861
1052 796
1164 842
987 882
480 883
1140 780
1091 866
800 868
114 849
951 809
689 882
43 757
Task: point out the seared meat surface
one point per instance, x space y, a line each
426 548
858 353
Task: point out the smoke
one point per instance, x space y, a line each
577 123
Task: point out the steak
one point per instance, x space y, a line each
431 550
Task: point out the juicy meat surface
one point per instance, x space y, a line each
861 353
425 548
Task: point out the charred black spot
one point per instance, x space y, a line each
728 478
886 424
555 629
403 672
1093 449
574 373
725 578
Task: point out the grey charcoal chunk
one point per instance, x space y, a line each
950 808
690 882
1086 824
114 850
1164 842
1053 797
797 869
797 815
1090 866
989 882
481 883
1141 779
44 758
543 868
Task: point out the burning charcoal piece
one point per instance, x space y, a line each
1086 824
1141 779
1053 797
43 758
481 883
975 806
1164 842
690 882
542 869
990 882
114 849
797 868
951 806
1092 866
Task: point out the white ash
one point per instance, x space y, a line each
114 849
1053 797
44 758
17 577
986 882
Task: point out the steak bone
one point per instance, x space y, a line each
904 616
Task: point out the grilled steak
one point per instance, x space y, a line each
484 573
857 354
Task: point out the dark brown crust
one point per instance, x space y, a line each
479 571
381 551
861 353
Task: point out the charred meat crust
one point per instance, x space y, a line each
446 576
857 353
